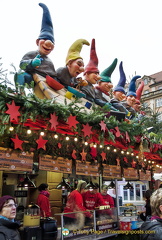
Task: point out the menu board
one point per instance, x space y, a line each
111 171
130 173
86 168
12 161
145 176
59 164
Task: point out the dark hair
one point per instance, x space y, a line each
42 186
148 194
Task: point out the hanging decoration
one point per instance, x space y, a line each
117 132
103 126
74 154
41 143
53 121
103 155
83 154
13 111
72 122
87 130
17 142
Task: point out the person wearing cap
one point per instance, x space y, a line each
119 92
131 97
43 200
75 204
92 199
67 75
104 86
8 226
38 61
106 197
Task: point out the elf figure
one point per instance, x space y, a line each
137 105
131 97
91 74
119 92
104 86
67 75
37 61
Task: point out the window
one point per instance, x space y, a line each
146 91
158 102
145 81
136 194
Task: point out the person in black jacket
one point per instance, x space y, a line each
143 215
8 226
151 229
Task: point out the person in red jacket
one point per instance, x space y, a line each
75 204
92 199
43 200
106 197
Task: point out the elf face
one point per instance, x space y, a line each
105 86
92 77
137 106
120 96
75 67
45 47
131 100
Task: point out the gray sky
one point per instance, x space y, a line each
129 30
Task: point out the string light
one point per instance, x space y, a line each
101 146
75 139
28 131
127 153
86 143
55 136
122 152
42 133
115 150
132 154
11 129
108 148
94 145
67 138
136 156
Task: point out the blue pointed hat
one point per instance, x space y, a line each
132 86
120 86
47 26
106 74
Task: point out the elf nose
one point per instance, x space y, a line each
48 43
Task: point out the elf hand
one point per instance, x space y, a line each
36 62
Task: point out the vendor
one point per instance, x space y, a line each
106 197
75 204
92 199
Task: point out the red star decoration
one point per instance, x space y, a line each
17 142
87 130
72 121
13 111
133 163
41 143
59 145
103 155
53 121
83 154
73 154
125 160
127 137
117 132
103 126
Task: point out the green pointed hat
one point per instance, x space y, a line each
75 49
106 74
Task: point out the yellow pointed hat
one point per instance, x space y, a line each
75 49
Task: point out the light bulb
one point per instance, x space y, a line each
11 128
28 131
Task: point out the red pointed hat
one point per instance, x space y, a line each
92 66
139 92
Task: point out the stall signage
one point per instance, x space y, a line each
86 168
145 175
60 164
111 171
12 161
130 173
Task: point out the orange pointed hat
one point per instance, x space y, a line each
92 66
75 49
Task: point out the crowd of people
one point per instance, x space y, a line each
97 87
